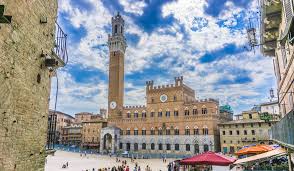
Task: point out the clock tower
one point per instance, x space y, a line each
117 47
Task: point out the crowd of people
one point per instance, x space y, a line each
123 165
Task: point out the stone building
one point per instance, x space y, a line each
62 120
171 122
271 107
91 131
26 47
248 129
276 34
82 117
72 135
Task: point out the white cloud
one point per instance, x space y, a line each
167 41
133 6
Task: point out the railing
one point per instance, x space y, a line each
51 136
283 131
60 48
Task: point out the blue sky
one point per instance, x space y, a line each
202 40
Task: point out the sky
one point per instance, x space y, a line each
203 40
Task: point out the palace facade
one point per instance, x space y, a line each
173 121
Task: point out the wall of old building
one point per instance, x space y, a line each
284 69
24 83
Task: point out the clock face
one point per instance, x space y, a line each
113 105
163 98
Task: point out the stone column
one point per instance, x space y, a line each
290 162
101 144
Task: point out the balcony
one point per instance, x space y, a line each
269 25
59 56
282 132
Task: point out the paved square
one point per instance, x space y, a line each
77 163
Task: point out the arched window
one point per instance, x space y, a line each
144 114
128 131
186 111
152 113
115 29
187 147
136 131
196 130
159 146
187 130
160 131
205 130
167 113
196 148
177 147
206 148
176 112
152 146
128 114
167 131
143 131
128 146
120 145
136 146
144 146
136 115
204 110
152 131
176 131
195 111
160 113
167 146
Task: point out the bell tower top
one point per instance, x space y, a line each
117 41
118 24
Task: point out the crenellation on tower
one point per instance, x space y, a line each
179 81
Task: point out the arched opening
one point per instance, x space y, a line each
115 29
144 146
196 148
206 148
128 146
136 147
107 142
152 146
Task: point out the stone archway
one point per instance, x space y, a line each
110 139
107 142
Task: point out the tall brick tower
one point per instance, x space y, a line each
117 47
